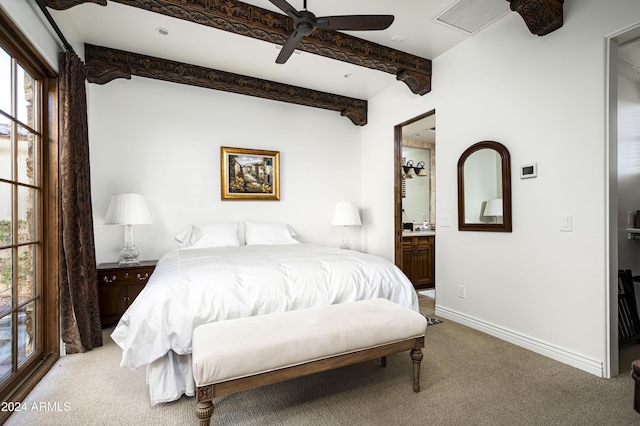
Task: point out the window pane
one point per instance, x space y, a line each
26 332
26 272
27 156
5 82
6 358
25 93
26 214
6 279
5 148
5 213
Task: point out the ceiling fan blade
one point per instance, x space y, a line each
355 22
285 7
289 47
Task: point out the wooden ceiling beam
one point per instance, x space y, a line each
262 24
540 16
103 64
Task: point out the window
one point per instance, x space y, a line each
20 230
28 267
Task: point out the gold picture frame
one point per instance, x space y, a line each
249 174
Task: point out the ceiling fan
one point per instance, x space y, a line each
305 22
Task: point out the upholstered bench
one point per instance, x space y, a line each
245 353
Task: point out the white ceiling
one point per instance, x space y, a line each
127 28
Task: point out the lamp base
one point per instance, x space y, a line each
345 240
129 254
129 257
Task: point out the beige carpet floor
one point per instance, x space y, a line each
469 378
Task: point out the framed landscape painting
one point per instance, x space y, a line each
249 174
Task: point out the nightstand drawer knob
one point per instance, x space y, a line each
107 280
141 278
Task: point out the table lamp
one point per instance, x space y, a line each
128 210
346 214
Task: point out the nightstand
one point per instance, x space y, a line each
118 286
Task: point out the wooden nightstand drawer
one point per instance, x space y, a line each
118 286
131 275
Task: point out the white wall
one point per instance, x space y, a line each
163 140
544 99
628 170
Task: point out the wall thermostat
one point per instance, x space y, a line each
529 171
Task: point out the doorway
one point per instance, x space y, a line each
414 201
624 171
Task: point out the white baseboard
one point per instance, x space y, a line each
557 353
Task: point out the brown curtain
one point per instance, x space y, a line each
80 316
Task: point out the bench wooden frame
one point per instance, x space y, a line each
205 394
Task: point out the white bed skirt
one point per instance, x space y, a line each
170 377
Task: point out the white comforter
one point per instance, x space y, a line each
196 286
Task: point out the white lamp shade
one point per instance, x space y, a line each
493 207
127 209
346 214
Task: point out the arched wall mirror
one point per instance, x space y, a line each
484 188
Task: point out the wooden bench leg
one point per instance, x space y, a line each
204 411
204 404
416 356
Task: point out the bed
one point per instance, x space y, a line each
198 285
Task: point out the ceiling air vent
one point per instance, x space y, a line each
470 16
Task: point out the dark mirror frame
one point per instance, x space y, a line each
506 225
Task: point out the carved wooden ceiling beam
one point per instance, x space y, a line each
541 16
103 64
262 24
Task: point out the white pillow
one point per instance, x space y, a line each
223 234
268 233
188 236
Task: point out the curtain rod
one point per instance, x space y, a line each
55 27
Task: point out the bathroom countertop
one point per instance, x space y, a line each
418 233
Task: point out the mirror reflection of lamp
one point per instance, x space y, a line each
493 208
409 171
420 170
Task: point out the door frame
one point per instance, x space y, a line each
613 230
397 184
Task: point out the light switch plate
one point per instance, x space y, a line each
445 220
566 223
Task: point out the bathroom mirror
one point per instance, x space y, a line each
484 188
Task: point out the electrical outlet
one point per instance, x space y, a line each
462 292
